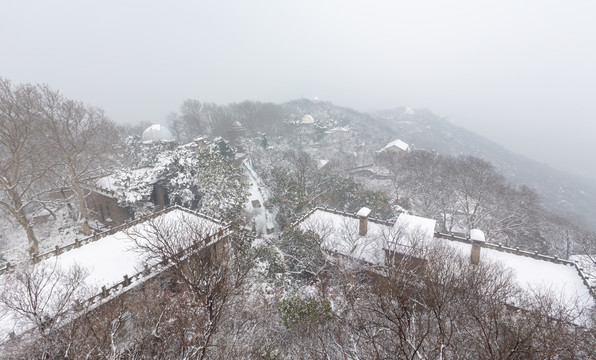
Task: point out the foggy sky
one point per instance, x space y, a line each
521 73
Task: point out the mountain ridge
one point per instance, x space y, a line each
560 191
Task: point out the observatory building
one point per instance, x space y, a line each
157 132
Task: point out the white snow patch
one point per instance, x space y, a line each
340 234
364 212
416 225
321 164
477 235
111 183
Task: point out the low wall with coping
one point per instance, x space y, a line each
452 237
97 236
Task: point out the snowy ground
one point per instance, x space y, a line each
262 218
51 232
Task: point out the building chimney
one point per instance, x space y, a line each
478 239
363 215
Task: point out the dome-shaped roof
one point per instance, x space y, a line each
307 119
157 132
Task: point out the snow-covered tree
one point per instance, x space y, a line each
202 178
140 154
25 163
83 140
302 252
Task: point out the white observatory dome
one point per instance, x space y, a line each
157 133
308 120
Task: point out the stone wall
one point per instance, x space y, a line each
103 208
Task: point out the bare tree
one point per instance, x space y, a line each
441 306
190 112
39 300
247 113
396 167
176 126
24 160
217 119
208 275
82 138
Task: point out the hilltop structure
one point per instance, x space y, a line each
157 132
236 131
307 120
396 147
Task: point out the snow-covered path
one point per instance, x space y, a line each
257 197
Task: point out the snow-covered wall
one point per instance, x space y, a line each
533 272
111 260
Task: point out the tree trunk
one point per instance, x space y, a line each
82 203
21 216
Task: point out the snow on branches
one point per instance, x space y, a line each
198 178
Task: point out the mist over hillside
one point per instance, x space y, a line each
561 192
421 129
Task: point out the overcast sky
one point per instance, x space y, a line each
522 73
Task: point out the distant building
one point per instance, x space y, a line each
236 131
323 164
396 146
307 120
102 198
200 142
157 132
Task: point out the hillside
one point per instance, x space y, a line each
560 192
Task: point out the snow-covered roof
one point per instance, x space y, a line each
307 119
415 225
339 129
108 259
540 276
322 163
397 144
157 132
339 233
